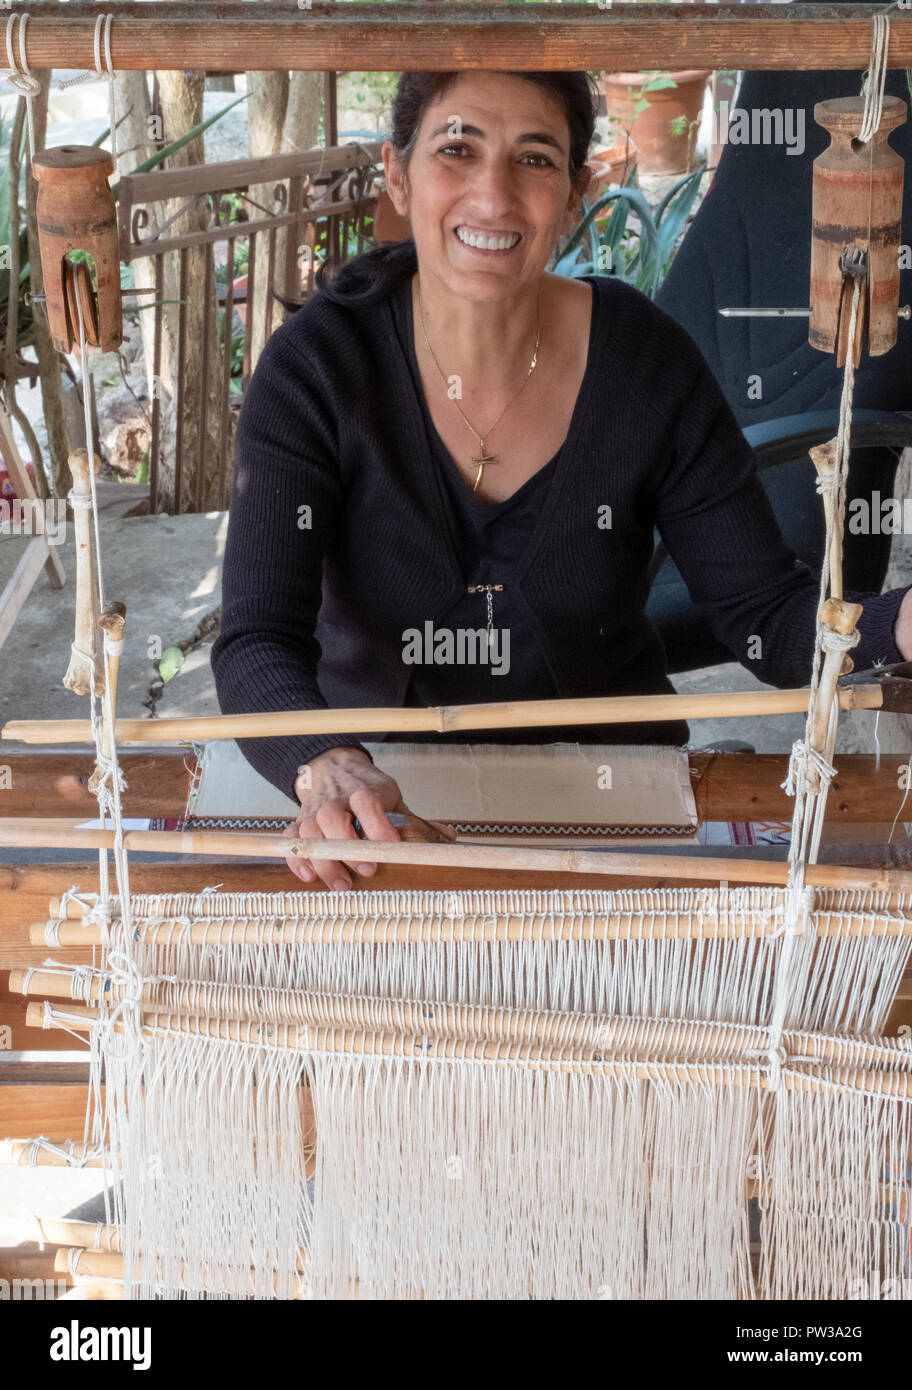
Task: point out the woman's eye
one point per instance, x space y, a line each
545 162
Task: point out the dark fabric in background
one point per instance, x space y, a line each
750 246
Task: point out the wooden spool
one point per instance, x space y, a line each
857 202
76 211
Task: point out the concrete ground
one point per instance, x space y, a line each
165 569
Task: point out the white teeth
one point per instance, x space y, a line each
487 243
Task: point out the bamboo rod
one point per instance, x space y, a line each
111 623
346 927
824 458
377 37
442 719
367 1043
107 1264
27 1153
93 1235
214 1013
84 672
28 834
85 1289
73 909
839 617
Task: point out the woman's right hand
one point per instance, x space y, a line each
343 784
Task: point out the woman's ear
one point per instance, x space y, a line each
395 178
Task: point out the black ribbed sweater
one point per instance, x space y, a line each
339 538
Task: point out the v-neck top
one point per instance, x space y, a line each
458 665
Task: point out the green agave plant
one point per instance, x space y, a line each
591 251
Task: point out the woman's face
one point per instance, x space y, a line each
490 165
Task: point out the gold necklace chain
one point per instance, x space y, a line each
485 457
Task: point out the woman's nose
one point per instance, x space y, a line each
492 191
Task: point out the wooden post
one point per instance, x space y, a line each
39 555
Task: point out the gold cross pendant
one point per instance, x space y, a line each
483 458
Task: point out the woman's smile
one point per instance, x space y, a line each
487 243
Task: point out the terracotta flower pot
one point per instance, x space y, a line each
661 150
610 166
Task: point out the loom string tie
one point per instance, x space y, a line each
20 76
102 34
804 758
64 1151
874 78
777 1058
127 1011
58 1018
81 977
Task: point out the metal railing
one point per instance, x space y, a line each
323 203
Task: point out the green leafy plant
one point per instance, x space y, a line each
641 259
680 125
654 82
161 155
236 377
371 93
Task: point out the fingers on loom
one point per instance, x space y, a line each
372 814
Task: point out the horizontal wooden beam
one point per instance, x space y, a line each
416 35
727 786
56 1112
57 784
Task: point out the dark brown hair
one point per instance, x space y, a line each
376 272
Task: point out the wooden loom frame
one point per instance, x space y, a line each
420 34
375 37
39 554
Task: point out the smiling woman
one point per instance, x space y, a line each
452 442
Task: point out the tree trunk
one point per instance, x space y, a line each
182 390
284 117
305 102
267 106
134 143
48 358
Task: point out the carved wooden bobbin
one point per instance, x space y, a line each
76 211
857 202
